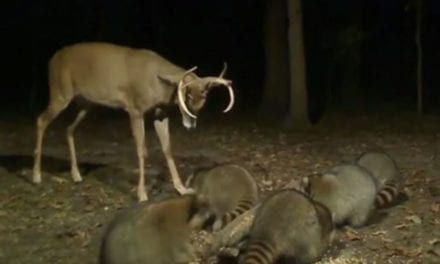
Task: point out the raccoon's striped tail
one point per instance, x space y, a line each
241 207
387 194
258 252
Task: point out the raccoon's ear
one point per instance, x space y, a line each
305 185
327 177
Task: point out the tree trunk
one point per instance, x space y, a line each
419 58
350 40
298 110
275 94
348 58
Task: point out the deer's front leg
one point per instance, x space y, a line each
138 130
163 133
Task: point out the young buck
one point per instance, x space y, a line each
136 80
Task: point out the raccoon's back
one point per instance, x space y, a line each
288 218
229 176
282 208
241 194
354 187
386 174
124 243
381 166
125 239
351 179
286 224
227 186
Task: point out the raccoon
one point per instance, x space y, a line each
386 173
150 232
348 190
228 189
288 225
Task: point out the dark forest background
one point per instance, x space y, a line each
206 33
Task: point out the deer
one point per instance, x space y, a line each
131 79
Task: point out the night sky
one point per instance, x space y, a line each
206 33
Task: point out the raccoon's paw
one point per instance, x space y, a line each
358 220
218 224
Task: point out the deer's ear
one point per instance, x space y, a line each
169 79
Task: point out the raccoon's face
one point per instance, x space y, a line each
330 228
203 214
326 220
322 185
310 183
332 236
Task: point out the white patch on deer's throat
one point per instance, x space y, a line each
188 122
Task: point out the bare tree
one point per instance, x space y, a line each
275 95
419 57
298 110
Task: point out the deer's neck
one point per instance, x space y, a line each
168 93
161 110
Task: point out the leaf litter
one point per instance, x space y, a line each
60 221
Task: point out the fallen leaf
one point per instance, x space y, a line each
415 219
89 208
387 240
352 235
407 252
267 182
434 241
415 252
435 208
435 247
401 226
85 236
417 172
380 232
58 180
408 191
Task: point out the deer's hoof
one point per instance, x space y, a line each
36 178
183 191
76 176
142 197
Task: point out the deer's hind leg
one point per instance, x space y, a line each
55 107
76 176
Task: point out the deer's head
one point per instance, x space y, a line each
193 90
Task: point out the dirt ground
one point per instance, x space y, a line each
62 222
